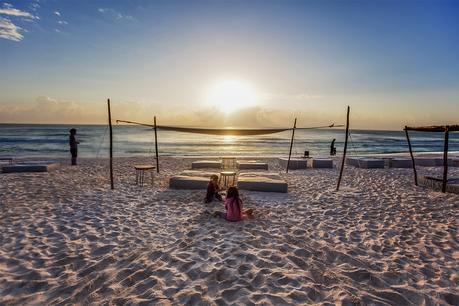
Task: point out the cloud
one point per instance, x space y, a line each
114 15
57 13
9 10
63 22
9 30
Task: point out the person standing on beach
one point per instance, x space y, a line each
332 148
73 146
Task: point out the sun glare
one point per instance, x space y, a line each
231 95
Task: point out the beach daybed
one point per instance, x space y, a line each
260 181
452 185
210 164
320 163
295 163
31 166
191 179
353 161
251 165
428 161
371 163
400 163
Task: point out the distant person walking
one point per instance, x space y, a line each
73 146
332 148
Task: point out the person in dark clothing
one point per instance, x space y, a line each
332 148
73 146
213 190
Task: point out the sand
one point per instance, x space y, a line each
66 238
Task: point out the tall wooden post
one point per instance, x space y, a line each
445 160
345 149
111 144
291 145
412 157
156 147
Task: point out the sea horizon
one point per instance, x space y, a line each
51 140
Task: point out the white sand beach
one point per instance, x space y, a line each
66 238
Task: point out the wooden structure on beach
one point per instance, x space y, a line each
446 129
208 131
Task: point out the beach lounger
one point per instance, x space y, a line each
320 163
436 184
371 163
31 166
428 161
203 164
401 163
191 179
251 165
353 161
260 181
295 163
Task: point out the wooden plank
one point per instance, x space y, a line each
445 161
111 144
291 145
156 147
345 149
412 157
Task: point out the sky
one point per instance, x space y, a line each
231 63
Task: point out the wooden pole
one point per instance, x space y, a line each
412 157
156 147
111 144
291 145
445 160
345 149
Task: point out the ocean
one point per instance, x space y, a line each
24 140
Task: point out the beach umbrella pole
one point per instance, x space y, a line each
345 149
156 147
291 145
111 144
412 157
445 160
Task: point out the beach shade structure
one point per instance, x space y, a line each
225 132
446 129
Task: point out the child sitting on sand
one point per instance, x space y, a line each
213 189
234 207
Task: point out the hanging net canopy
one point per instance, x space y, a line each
227 131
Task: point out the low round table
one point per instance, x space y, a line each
225 177
140 173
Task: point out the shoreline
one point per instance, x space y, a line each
382 155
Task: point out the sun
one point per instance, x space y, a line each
230 95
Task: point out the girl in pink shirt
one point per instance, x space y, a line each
234 207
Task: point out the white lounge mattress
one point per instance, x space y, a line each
259 181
